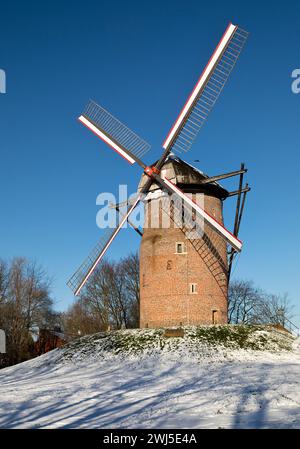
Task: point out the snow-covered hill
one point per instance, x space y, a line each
217 376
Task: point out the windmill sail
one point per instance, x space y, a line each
207 243
214 224
114 133
80 277
206 91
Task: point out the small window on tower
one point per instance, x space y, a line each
193 288
180 248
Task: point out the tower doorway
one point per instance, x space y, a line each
214 317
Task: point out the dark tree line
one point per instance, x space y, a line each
110 300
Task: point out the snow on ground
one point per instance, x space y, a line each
172 387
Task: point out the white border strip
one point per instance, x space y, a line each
231 239
106 139
107 246
206 73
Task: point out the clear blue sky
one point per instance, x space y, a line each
140 60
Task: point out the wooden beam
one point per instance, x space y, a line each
237 215
238 202
232 253
236 192
242 207
224 176
118 205
230 265
130 222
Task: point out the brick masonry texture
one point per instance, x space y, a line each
165 298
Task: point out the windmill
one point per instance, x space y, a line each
207 256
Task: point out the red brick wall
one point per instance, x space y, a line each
166 276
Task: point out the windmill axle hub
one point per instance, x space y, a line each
151 170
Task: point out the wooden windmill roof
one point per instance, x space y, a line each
187 177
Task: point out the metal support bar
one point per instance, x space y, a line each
224 176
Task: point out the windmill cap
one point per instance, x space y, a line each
187 177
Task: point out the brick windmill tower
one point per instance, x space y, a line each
184 277
186 261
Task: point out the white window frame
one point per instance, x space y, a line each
183 248
193 288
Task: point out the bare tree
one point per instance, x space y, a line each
277 309
105 295
96 294
244 301
78 320
111 296
248 304
24 303
3 291
3 281
130 267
